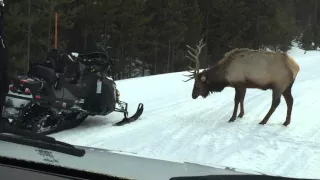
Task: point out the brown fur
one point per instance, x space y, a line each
246 68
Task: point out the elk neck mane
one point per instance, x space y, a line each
216 74
230 56
216 81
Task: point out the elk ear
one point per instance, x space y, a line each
203 78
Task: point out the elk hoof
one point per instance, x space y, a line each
241 115
263 123
232 120
286 123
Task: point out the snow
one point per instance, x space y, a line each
178 128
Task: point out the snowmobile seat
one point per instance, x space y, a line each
46 73
71 68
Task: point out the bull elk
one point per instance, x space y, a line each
246 68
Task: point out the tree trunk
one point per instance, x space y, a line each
173 59
26 69
168 62
85 38
207 36
258 26
123 61
155 59
143 65
50 23
315 23
106 27
130 67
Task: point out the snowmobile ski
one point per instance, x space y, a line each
134 117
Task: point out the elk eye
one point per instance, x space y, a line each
197 84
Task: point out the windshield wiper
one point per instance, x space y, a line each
36 140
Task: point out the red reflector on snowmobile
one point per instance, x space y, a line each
27 91
23 81
37 97
11 88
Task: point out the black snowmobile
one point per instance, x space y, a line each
62 92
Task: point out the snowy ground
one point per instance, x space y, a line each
176 127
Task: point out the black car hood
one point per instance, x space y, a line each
115 163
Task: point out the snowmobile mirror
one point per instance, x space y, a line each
75 54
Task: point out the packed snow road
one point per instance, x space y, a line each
176 127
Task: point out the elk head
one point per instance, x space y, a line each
200 86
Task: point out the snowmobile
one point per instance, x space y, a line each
62 92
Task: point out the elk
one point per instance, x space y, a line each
243 68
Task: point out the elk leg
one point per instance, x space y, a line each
289 100
243 94
237 98
276 97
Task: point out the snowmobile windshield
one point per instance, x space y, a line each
93 55
96 58
9 134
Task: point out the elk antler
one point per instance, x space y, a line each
194 53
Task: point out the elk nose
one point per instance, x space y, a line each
194 96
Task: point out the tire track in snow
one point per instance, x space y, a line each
228 148
197 127
131 133
183 132
188 135
294 159
291 155
161 108
161 141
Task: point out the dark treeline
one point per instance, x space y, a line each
152 34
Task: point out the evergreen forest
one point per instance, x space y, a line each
147 37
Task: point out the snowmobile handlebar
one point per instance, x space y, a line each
94 65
